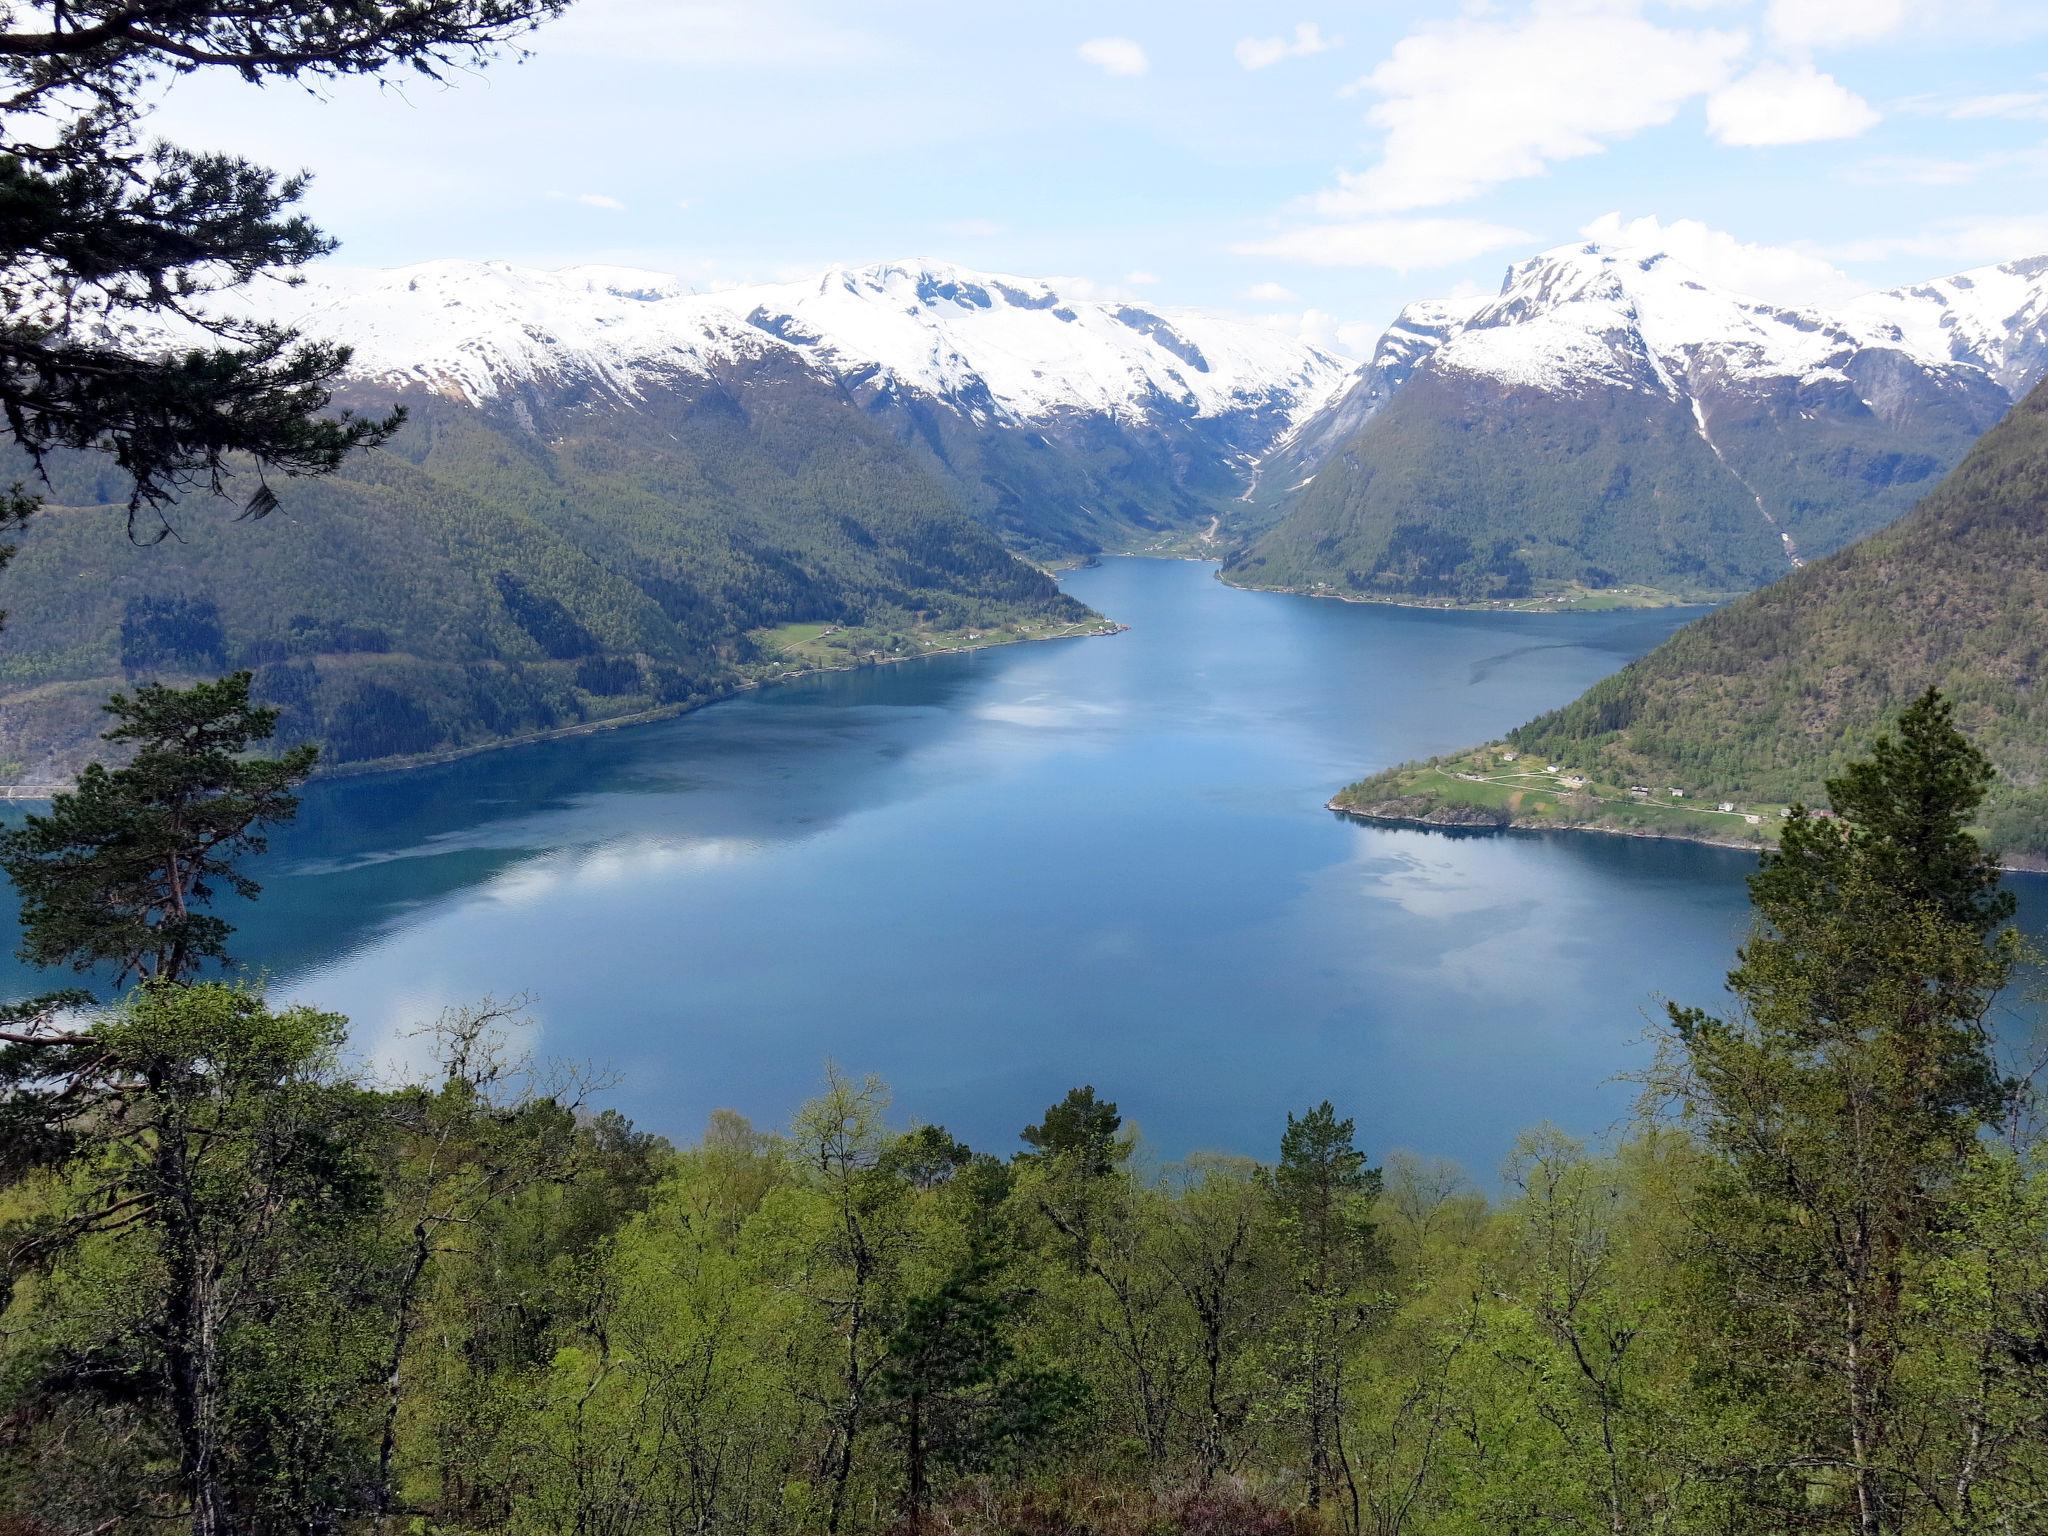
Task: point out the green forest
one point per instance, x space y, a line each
481 578
1764 698
252 1287
1465 490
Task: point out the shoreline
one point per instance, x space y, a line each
1428 822
676 711
1536 605
1106 628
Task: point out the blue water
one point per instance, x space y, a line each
991 877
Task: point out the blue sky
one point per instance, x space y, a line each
1321 165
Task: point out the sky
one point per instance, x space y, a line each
1318 166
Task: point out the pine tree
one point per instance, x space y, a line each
113 247
1325 1192
1841 1106
120 871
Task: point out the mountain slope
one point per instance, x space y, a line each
484 578
616 495
1538 439
1072 425
1761 700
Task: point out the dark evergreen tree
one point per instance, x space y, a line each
1325 1192
102 231
206 1186
120 871
1079 1132
955 1394
1842 1107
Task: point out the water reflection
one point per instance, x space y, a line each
991 877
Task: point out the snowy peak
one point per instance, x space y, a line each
1597 316
1011 348
1034 351
1994 318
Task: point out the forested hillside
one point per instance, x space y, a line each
1459 490
498 572
1766 698
1610 419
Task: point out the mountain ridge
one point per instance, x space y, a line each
1490 428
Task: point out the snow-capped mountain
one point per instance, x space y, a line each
1685 435
1015 347
1070 424
1588 317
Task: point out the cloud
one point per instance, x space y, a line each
1467 105
1832 23
1114 55
1320 328
1934 171
1965 242
1141 279
1398 244
1271 293
1787 104
1308 40
2023 106
592 200
976 229
1783 274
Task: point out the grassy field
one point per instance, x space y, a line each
1533 793
1558 599
791 648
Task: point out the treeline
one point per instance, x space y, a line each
251 1289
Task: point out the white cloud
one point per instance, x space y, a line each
1114 55
1965 242
590 200
1320 328
1398 244
1832 23
1467 105
1271 293
1934 171
1783 274
2025 106
1141 279
1787 104
1308 39
976 229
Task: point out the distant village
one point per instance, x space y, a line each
1566 778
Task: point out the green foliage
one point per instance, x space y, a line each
1467 490
119 871
1843 1108
1079 1132
106 237
484 578
195 1192
1771 696
249 1290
